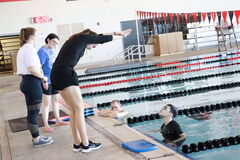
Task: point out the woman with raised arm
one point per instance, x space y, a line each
64 79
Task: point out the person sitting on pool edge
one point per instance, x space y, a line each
170 129
116 110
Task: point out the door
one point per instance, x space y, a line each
132 38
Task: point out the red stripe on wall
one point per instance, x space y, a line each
12 0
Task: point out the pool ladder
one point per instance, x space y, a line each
133 53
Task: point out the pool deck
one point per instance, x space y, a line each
124 133
18 146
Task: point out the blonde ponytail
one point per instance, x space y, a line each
25 34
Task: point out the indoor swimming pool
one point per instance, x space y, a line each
207 84
216 125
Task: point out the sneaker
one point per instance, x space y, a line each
91 146
45 138
42 142
77 147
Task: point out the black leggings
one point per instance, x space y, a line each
32 90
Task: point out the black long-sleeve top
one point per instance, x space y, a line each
73 49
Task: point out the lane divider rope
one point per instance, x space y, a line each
154 76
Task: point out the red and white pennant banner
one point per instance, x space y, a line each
196 16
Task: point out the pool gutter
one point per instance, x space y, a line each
123 133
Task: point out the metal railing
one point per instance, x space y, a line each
131 54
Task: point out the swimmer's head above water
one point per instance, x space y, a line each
168 110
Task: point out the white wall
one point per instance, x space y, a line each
109 13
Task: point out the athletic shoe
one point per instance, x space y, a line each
45 138
91 146
77 147
42 142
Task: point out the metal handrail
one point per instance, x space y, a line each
129 53
121 53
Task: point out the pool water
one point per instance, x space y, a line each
222 123
219 124
226 153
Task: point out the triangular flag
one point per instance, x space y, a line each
213 16
147 15
153 16
150 14
204 16
174 18
143 16
164 15
178 18
162 19
237 14
159 17
199 17
168 18
190 18
209 16
182 18
194 15
171 17
219 15
138 14
230 13
156 17
224 14
186 17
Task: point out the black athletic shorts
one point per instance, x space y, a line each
63 77
50 90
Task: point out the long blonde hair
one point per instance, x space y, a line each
25 34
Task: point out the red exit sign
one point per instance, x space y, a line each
41 19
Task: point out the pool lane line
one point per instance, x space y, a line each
174 94
195 64
154 65
134 73
140 87
187 111
203 58
151 70
155 76
211 144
